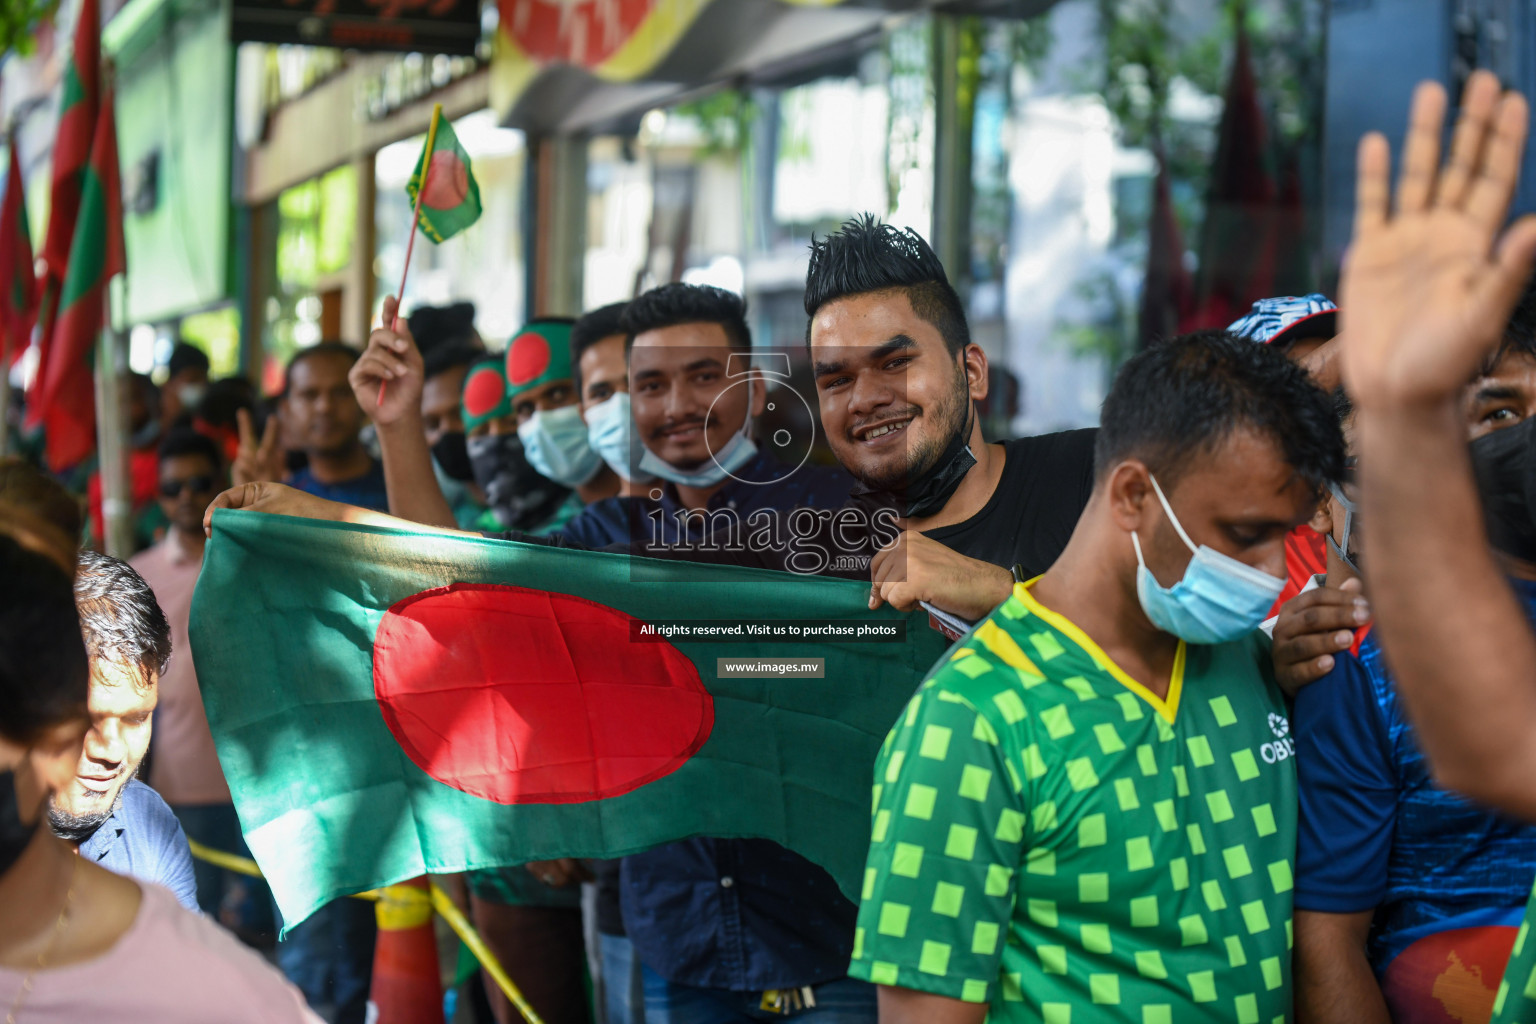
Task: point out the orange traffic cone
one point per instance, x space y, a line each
406 986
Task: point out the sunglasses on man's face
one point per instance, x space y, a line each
195 484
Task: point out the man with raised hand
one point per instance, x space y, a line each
1428 284
1089 812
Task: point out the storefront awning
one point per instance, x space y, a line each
578 65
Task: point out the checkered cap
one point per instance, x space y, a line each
1275 320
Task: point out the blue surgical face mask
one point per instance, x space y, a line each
555 441
1219 599
611 432
734 454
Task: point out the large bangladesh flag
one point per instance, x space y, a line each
389 703
450 198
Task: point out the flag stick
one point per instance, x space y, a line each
421 190
410 246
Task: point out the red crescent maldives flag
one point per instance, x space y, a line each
18 287
389 703
79 105
65 388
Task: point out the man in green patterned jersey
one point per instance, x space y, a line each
1088 813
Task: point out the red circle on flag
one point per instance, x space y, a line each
447 182
523 696
527 357
483 392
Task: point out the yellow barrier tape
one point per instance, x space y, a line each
440 902
477 946
227 861
402 907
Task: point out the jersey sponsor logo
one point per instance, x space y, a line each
1283 747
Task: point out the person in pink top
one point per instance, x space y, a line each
184 766
77 942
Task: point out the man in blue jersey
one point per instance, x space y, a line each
1408 896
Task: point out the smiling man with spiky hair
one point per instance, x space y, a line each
898 379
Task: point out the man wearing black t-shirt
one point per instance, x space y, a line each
898 379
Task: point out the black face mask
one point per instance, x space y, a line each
14 833
933 487
1504 463
516 493
452 454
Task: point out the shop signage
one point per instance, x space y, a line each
409 26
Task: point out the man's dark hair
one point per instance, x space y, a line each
44 675
1343 408
25 486
591 328
866 256
450 356
224 398
1520 330
146 391
439 326
1181 399
674 304
119 617
181 441
324 348
186 357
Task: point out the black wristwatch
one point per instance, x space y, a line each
1018 573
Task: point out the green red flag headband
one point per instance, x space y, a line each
537 354
392 703
485 395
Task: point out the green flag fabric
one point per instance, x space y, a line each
389 703
451 201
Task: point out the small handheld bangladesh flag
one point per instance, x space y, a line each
449 201
392 703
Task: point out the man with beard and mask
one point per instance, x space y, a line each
1084 814
77 942
1397 878
114 819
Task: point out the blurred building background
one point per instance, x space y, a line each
1094 173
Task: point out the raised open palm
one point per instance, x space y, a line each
1428 285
